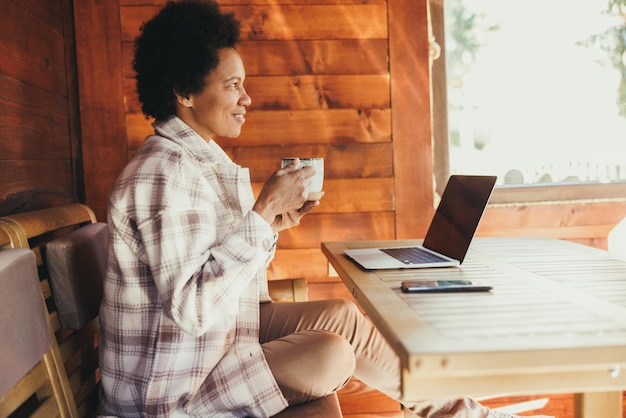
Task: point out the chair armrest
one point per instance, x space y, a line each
288 290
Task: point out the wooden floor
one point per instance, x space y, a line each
359 401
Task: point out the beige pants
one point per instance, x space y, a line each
313 348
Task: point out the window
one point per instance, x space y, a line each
535 92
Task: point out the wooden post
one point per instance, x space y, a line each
601 404
411 116
101 98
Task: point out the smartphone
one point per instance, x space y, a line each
432 286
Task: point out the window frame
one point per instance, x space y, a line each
503 194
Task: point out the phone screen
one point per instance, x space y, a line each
445 286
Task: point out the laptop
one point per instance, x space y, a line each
449 235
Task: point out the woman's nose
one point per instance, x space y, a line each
245 100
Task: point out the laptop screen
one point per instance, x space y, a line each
458 214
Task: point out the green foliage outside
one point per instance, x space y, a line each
613 42
463 40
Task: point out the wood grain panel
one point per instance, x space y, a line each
34 184
411 115
102 99
49 12
292 57
340 161
333 126
34 117
441 147
550 193
567 221
329 290
353 195
131 99
303 92
287 21
278 127
261 2
338 21
32 51
36 137
316 228
128 55
307 263
319 92
73 104
137 129
295 57
358 195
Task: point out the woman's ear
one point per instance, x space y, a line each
183 101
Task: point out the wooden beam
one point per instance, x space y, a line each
411 116
101 97
605 405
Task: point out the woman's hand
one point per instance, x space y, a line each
292 218
282 200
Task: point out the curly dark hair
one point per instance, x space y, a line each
177 49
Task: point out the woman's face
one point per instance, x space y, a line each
220 108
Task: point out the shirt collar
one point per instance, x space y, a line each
177 131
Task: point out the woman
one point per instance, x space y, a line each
188 328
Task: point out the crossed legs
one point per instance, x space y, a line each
313 348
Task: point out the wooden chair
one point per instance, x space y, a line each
32 380
77 348
69 245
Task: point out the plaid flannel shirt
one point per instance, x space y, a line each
186 271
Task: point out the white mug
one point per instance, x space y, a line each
315 189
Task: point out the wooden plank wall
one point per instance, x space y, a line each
39 163
99 61
587 223
318 75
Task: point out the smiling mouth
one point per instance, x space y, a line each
240 117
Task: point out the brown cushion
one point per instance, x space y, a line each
76 263
24 331
327 407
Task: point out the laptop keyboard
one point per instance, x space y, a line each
412 255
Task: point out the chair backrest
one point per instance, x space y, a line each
31 381
76 263
75 327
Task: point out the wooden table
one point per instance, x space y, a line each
555 322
